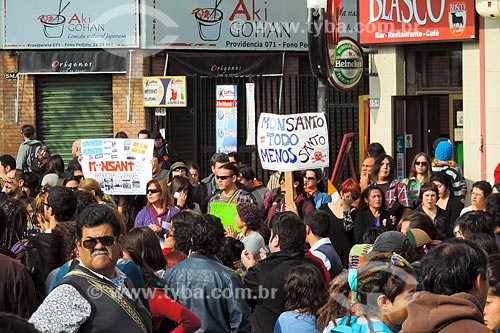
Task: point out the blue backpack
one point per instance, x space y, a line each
354 327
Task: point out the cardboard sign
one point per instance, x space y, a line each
293 142
225 211
121 166
404 21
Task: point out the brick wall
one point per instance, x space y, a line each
10 137
137 119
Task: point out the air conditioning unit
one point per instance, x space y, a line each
488 8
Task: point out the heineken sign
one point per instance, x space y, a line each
348 69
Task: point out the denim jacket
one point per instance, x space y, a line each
212 291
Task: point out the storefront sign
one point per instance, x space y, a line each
212 64
10 76
268 25
403 21
121 166
349 20
34 24
348 65
168 91
70 62
293 142
227 118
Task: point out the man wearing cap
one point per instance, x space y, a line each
177 169
390 241
162 148
420 244
443 161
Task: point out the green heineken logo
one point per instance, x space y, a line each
348 66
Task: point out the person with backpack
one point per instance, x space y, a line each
33 155
371 298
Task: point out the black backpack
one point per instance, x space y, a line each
38 156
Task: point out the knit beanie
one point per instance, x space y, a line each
444 151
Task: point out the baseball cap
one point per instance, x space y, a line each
390 241
418 238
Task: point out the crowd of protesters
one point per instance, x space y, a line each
374 254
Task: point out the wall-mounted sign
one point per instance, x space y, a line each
121 166
226 124
10 76
167 91
293 142
267 25
406 21
34 24
348 66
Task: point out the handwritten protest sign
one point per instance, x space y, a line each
121 166
293 142
225 211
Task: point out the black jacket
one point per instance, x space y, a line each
268 276
365 220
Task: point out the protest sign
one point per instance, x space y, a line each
293 142
121 166
225 211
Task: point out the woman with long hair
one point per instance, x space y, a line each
305 294
91 185
181 186
373 296
159 209
447 200
371 212
342 216
315 187
54 173
420 173
275 199
141 245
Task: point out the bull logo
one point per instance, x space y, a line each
457 18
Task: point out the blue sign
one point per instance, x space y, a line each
226 124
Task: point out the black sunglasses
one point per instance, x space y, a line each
152 190
223 177
91 242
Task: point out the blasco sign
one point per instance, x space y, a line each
398 21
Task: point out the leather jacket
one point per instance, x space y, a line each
212 291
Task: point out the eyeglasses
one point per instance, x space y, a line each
223 177
91 242
73 188
310 178
152 191
179 169
78 178
421 163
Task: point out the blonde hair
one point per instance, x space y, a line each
91 184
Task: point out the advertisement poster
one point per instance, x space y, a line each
250 90
293 142
227 118
403 21
121 166
167 91
34 24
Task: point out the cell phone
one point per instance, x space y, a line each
268 251
176 195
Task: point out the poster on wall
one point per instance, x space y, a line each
121 166
226 128
293 142
59 24
403 21
166 91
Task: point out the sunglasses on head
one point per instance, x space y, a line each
152 190
91 242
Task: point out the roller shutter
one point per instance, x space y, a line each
71 107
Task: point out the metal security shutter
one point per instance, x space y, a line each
71 107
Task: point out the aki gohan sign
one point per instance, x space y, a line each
35 24
406 21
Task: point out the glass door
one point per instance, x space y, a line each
456 126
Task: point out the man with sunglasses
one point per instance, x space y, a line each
227 177
95 296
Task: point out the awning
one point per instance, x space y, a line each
179 63
71 62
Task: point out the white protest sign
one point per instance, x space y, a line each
121 166
293 142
